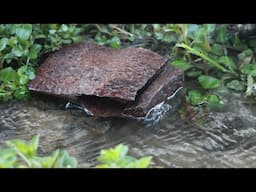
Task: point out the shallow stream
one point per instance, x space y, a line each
225 138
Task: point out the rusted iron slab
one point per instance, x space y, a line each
164 85
168 81
90 69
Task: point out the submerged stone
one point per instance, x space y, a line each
108 82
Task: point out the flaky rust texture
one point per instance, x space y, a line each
91 69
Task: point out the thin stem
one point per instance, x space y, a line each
184 32
24 158
121 30
198 53
101 30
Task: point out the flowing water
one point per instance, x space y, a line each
225 138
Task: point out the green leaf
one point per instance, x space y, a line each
193 73
21 92
208 82
113 154
194 97
34 144
64 160
217 49
24 31
168 37
7 158
29 149
8 74
143 162
156 27
117 158
222 35
5 95
249 69
192 30
213 99
23 79
236 40
12 41
3 43
236 85
34 50
115 42
181 64
27 71
53 26
64 28
228 61
246 56
17 51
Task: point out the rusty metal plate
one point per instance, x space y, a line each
164 85
90 69
169 80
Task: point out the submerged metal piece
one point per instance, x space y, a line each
166 84
107 82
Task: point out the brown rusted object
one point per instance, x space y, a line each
90 69
168 81
108 82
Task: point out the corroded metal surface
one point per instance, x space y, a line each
168 81
90 69
164 85
107 82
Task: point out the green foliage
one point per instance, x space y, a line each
211 54
208 82
194 97
249 69
21 45
117 158
181 64
236 85
13 84
21 154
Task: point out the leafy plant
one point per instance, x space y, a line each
21 46
13 84
21 154
208 82
117 158
195 98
